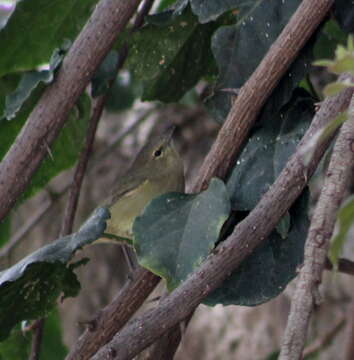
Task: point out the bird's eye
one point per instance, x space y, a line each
158 152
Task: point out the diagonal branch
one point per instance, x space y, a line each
306 296
247 235
48 117
256 90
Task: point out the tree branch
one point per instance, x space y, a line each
324 340
247 235
256 90
114 316
307 293
48 117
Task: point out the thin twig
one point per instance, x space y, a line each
26 228
307 295
71 205
114 316
344 266
325 340
37 339
74 192
247 235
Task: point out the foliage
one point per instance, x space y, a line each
188 44
30 288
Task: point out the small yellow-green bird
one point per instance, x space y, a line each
157 169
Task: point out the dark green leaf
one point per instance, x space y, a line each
344 13
66 148
29 289
209 10
106 72
17 346
5 230
176 231
37 28
175 56
237 58
28 83
122 94
265 273
330 36
268 150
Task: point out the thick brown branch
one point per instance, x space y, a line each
257 89
43 125
306 295
115 315
247 235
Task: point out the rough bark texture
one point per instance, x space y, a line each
143 331
49 115
255 92
307 293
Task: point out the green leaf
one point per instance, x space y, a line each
346 221
36 28
344 13
268 149
17 346
284 226
28 83
336 87
122 94
29 289
64 151
237 60
320 136
5 230
176 231
53 347
176 55
106 72
209 10
267 271
330 36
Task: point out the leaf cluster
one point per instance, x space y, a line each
189 44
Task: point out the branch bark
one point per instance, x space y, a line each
247 235
307 293
48 117
112 318
257 89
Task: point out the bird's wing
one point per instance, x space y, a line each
123 185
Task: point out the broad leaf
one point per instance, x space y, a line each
267 271
344 13
239 49
176 53
176 231
268 150
28 46
28 83
30 288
